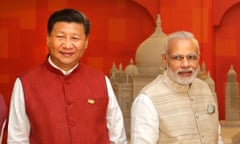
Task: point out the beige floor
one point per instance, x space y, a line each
231 135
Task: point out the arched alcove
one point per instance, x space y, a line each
227 50
220 8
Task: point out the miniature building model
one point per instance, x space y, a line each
128 82
232 96
231 124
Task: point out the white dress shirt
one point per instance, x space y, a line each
19 126
145 122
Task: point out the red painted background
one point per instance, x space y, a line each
118 28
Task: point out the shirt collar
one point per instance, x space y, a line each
63 71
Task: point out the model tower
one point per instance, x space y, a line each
232 96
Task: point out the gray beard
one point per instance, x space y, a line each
183 81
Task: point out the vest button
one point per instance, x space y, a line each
73 123
67 82
69 102
196 116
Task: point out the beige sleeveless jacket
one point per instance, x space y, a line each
187 114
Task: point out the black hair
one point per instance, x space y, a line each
68 15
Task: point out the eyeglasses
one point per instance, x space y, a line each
180 58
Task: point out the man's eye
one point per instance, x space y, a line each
178 57
76 38
59 36
192 57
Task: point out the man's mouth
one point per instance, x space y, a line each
185 73
66 54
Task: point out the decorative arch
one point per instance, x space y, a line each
221 7
151 6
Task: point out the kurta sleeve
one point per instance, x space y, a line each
144 121
115 123
18 125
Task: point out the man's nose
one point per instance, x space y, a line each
68 43
185 62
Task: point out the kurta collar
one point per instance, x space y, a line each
63 71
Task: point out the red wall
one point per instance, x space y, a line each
118 28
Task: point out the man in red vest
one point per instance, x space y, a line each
63 101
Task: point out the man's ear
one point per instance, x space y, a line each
47 40
86 44
164 60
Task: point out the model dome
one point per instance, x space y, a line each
131 69
148 54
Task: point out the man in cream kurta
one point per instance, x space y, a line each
176 107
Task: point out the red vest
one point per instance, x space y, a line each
66 109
